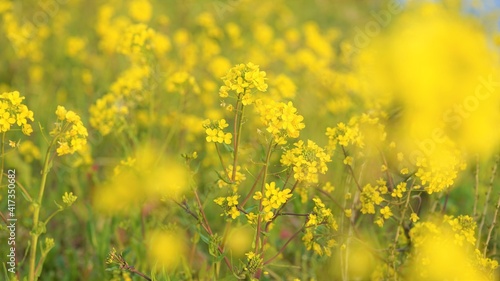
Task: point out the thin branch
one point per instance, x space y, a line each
352 171
284 246
253 188
222 161
487 201
492 226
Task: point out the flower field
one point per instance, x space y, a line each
249 140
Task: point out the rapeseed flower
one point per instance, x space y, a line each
307 161
14 112
70 132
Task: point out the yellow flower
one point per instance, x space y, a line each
414 217
250 255
307 161
214 131
386 212
399 190
370 196
348 160
70 133
219 201
223 124
234 213
348 213
258 195
61 112
69 198
12 111
281 120
211 135
140 10
312 220
242 79
232 200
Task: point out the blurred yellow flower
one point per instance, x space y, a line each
438 66
166 249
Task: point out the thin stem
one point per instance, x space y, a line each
36 213
135 271
476 188
209 230
264 179
352 171
292 214
237 136
389 177
3 218
222 161
202 212
487 201
443 211
492 226
253 188
52 215
400 224
329 197
284 246
40 263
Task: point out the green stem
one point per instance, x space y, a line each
222 162
352 171
237 134
52 215
400 225
35 233
249 195
264 179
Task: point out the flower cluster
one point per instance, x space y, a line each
13 111
242 79
281 120
344 135
229 205
179 81
140 10
443 246
126 93
464 226
385 213
29 151
439 170
319 230
215 131
307 161
272 199
239 177
254 263
69 198
70 133
370 197
367 126
139 37
399 190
